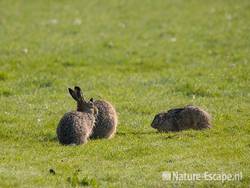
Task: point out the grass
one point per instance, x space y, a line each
144 57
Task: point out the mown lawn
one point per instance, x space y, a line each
145 57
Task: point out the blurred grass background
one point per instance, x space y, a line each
144 57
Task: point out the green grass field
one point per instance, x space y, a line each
144 57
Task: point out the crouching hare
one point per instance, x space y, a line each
178 119
106 120
75 127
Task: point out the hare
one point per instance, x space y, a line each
106 121
75 127
178 119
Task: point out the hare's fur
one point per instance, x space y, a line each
75 127
189 117
106 120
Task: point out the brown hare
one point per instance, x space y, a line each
106 120
178 119
75 127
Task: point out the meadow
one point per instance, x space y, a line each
143 56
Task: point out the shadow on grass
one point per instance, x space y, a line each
164 135
48 137
6 93
135 133
185 134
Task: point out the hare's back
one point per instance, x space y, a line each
106 121
198 112
72 129
106 111
196 117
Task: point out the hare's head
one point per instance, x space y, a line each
82 104
158 120
163 122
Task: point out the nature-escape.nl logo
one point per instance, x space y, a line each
205 176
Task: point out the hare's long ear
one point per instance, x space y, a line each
79 94
73 94
91 100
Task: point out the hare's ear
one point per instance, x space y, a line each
79 94
91 100
72 93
